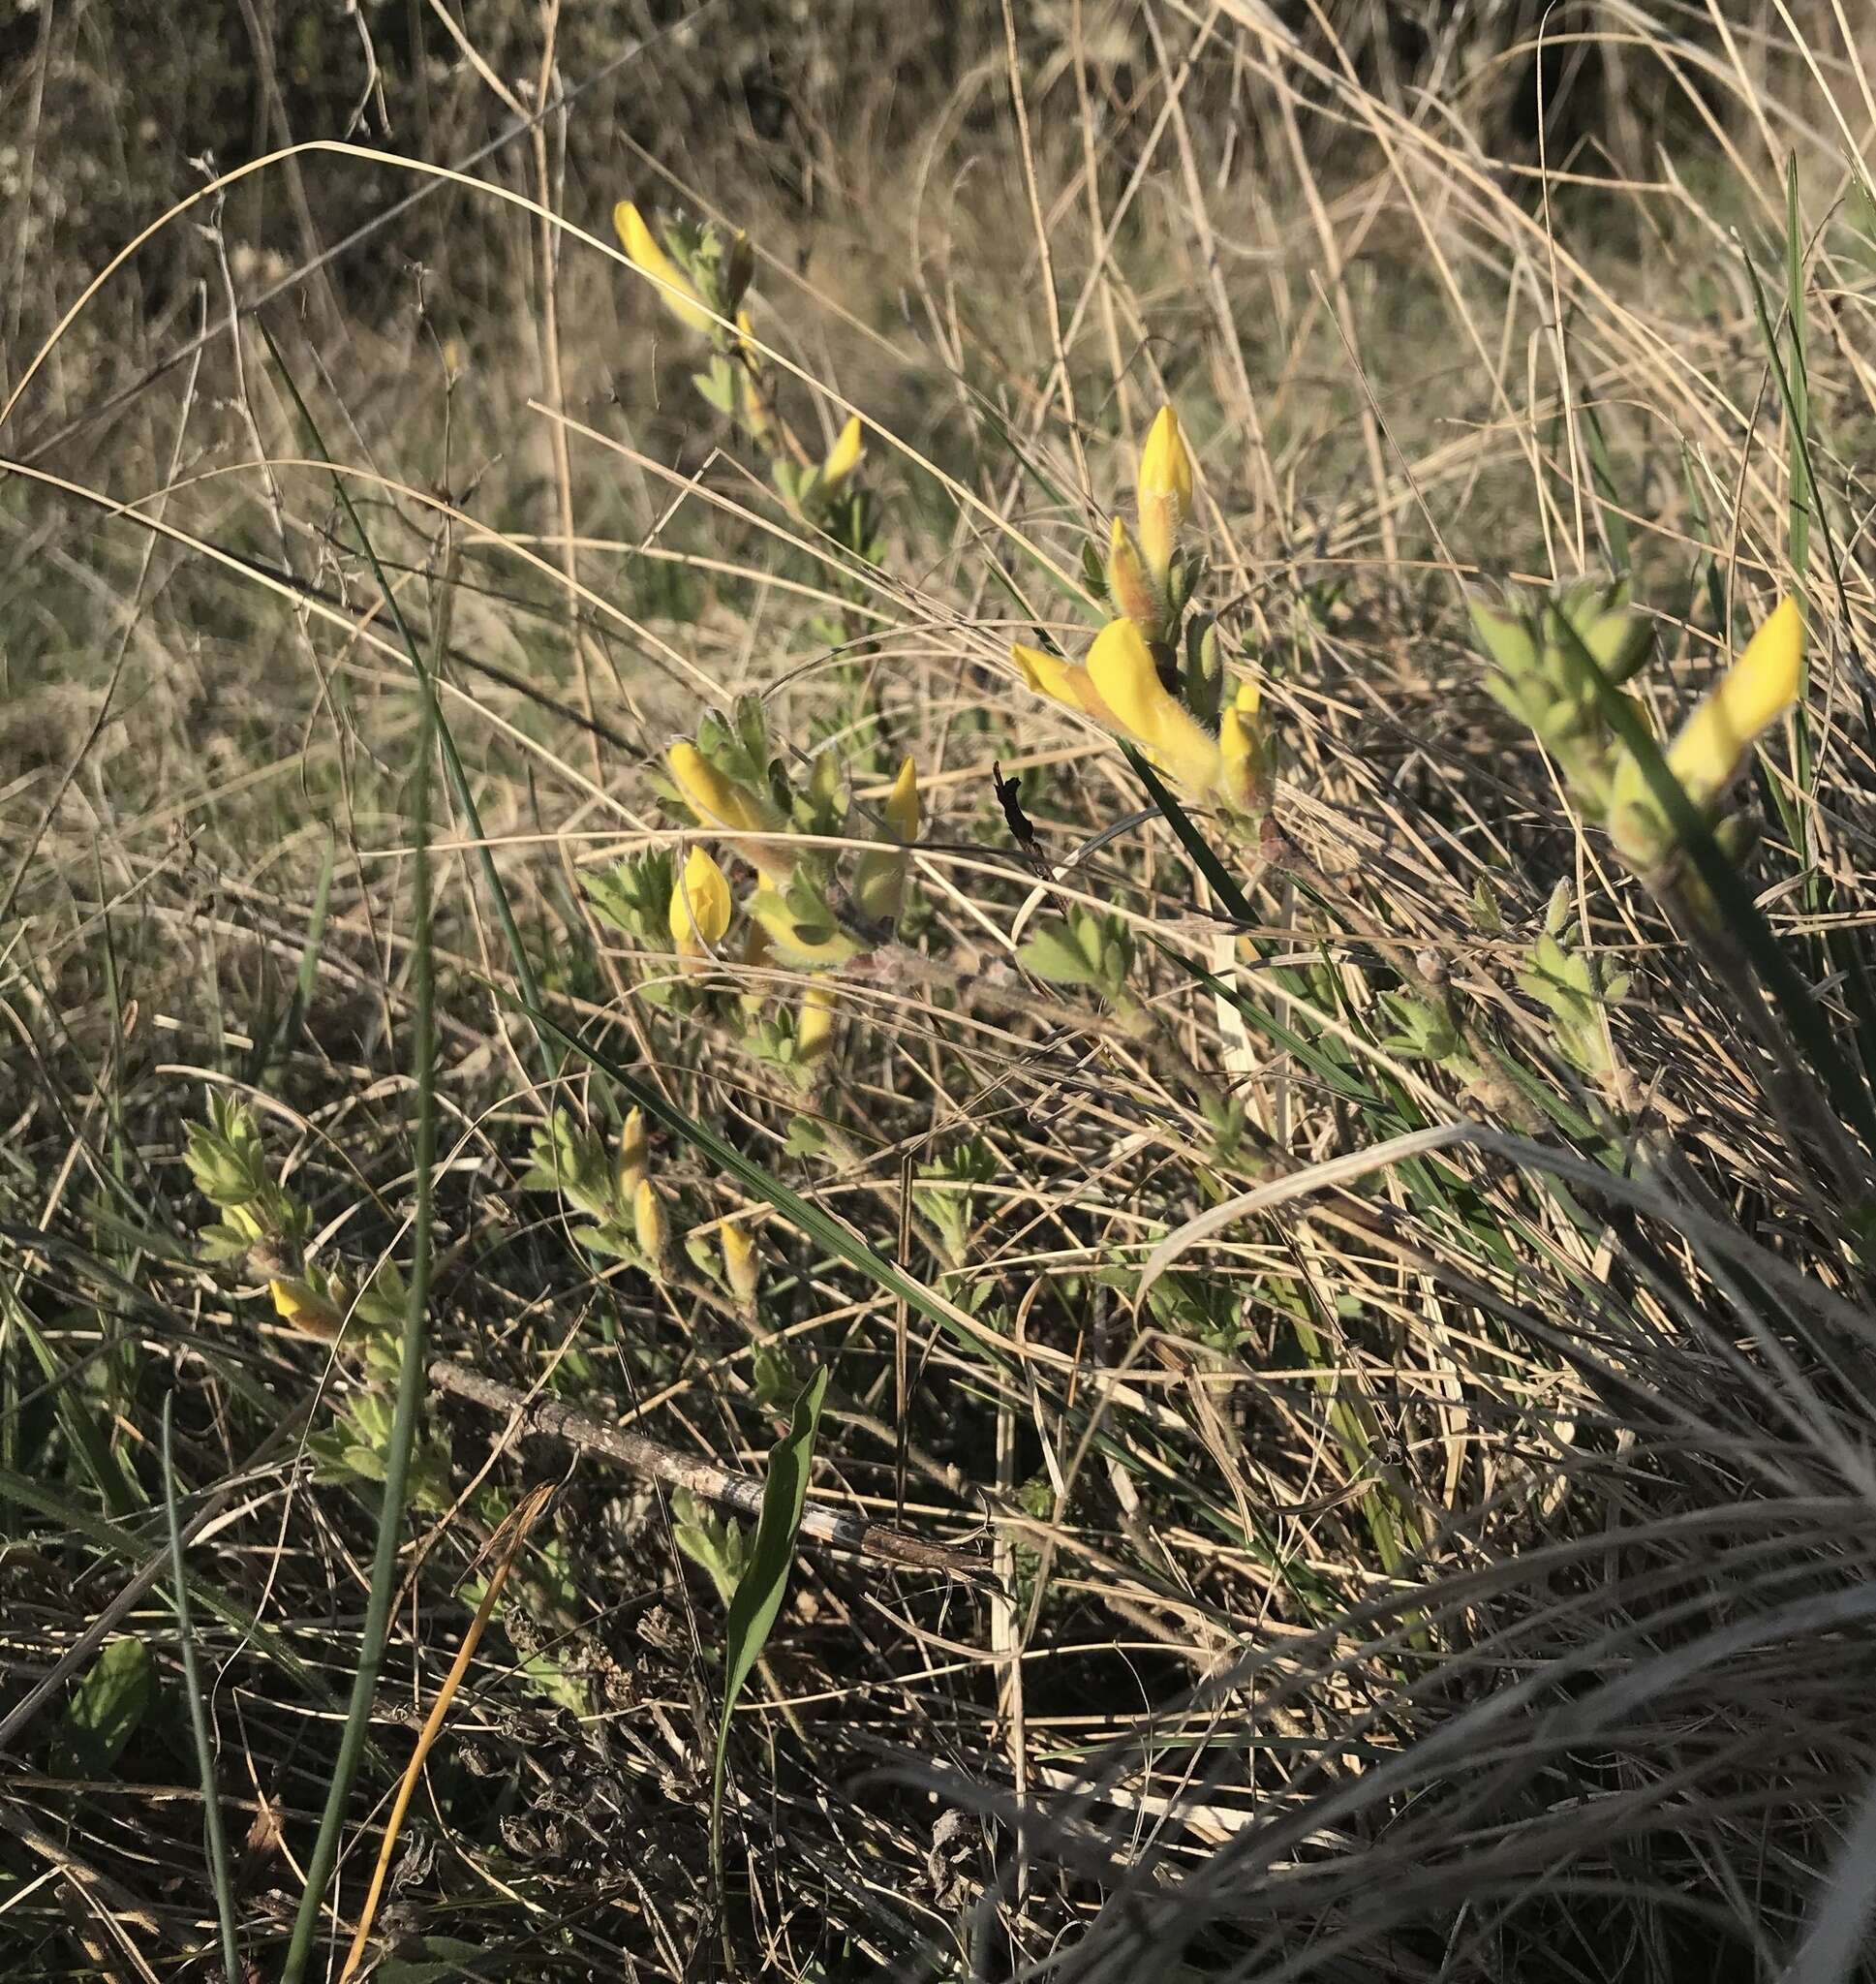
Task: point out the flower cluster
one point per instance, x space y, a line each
701 277
1542 654
1152 675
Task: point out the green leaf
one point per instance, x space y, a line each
1053 953
444 1958
759 1591
108 1703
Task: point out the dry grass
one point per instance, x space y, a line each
1458 1565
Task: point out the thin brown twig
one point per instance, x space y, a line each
700 1477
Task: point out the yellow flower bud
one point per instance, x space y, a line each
648 1223
1164 492
634 1155
1062 681
676 290
699 913
1121 667
842 458
901 803
1712 746
1244 782
312 1314
1129 588
1759 688
814 1026
741 1267
880 883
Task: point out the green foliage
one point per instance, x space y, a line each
762 1581
952 1210
107 1706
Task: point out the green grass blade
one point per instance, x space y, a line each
410 1382
764 1582
1223 886
216 1838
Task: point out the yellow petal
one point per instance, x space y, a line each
1244 780
1759 688
1121 667
1062 681
842 458
711 797
699 913
675 288
1164 491
1132 592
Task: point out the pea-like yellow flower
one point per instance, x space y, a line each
1121 669
1062 681
1244 780
1164 492
720 802
1711 747
1132 592
842 458
741 1269
700 912
675 289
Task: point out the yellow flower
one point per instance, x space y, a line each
700 912
1128 586
1712 746
1062 681
675 288
1244 781
634 1154
648 1223
719 802
842 458
311 1314
1121 667
1165 492
741 1267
